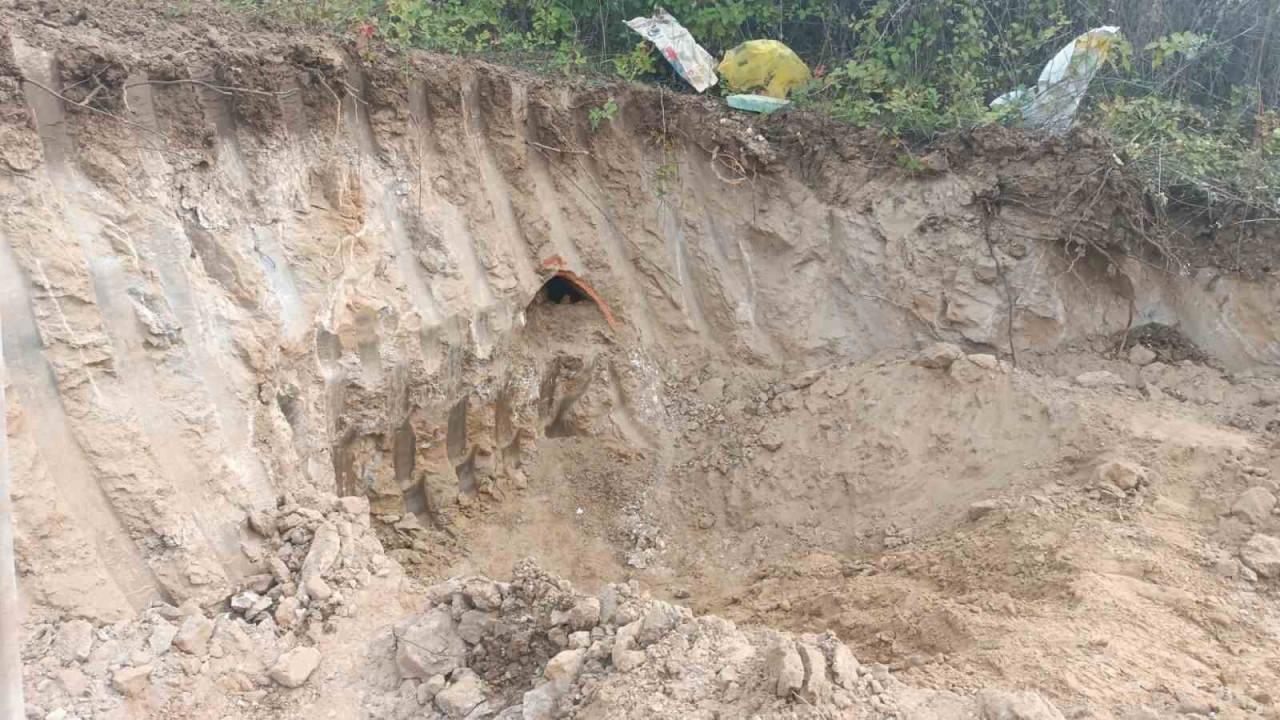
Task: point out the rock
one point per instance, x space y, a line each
294 667
965 370
74 641
783 667
625 657
815 686
580 639
984 361
244 601
844 666
193 635
286 614
938 356
585 614
712 390
132 681
73 681
354 505
484 594
1262 555
1000 705
982 508
658 621
162 634
263 523
1099 378
539 703
563 669
462 696
1141 355
474 625
1121 474
772 439
1254 505
316 588
430 646
325 548
279 570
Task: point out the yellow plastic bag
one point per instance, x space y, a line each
767 67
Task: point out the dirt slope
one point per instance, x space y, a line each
244 272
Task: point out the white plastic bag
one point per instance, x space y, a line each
689 59
1063 82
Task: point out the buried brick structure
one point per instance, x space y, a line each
556 266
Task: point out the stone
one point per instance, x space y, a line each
259 583
325 548
564 668
193 635
844 666
540 703
430 646
1254 505
1122 474
474 625
985 361
462 695
580 639
964 370
279 570
938 356
484 594
585 614
815 687
624 655
783 668
1261 554
316 588
354 505
772 439
1099 378
658 621
1000 705
286 615
162 634
74 641
73 681
132 681
293 668
244 601
263 523
1141 355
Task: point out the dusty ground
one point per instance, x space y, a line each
288 349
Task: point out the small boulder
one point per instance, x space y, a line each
1254 505
474 625
132 681
462 695
294 667
983 508
354 505
1262 555
74 641
815 686
317 588
483 593
844 666
162 634
430 646
243 602
193 635
286 614
1141 355
563 669
783 668
585 614
324 552
938 356
985 361
1099 378
712 390
1122 474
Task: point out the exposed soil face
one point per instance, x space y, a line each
307 354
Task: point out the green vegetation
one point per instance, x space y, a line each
603 114
1189 100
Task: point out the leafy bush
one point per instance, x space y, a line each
1190 98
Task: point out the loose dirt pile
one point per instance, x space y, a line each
786 430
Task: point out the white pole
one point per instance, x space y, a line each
11 703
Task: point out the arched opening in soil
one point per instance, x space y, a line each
566 287
559 290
